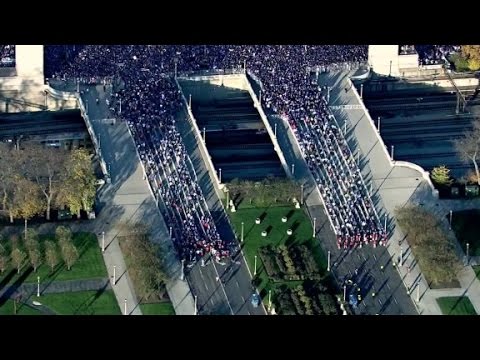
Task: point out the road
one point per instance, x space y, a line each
390 294
232 292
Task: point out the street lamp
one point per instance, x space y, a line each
125 307
204 135
392 148
314 226
114 275
468 248
269 299
170 231
301 194
220 175
190 101
255 266
344 292
378 125
450 219
418 292
328 261
275 130
38 286
195 305
293 169
182 274
401 256
241 238
103 241
228 196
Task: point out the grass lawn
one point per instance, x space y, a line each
82 303
22 309
163 308
477 271
465 226
89 265
456 305
298 221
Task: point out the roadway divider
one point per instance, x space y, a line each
61 95
93 136
270 131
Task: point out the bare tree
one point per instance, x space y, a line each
35 258
18 259
69 254
468 146
63 235
47 167
51 254
4 259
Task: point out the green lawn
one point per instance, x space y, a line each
163 308
82 303
89 265
465 226
456 305
298 221
477 271
22 309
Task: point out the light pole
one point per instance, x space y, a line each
275 130
344 292
328 261
301 194
228 196
170 231
195 305
38 286
269 299
378 125
314 226
358 157
103 241
182 274
255 266
204 135
468 248
401 256
241 237
190 101
120 106
260 98
361 91
418 292
345 128
385 226
86 106
114 275
125 307
392 148
293 169
220 175
450 220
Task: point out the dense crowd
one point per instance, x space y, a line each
435 54
150 99
7 55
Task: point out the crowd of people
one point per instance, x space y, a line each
150 99
7 55
435 54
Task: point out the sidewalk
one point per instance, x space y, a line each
128 198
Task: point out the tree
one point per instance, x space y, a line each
441 175
4 259
35 258
63 235
18 259
468 146
80 184
472 54
27 201
51 254
47 167
69 254
9 163
31 240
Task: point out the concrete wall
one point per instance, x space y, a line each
27 86
201 86
384 59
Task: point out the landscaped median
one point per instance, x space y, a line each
292 267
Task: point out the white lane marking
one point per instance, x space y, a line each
388 286
243 299
211 301
374 257
380 301
238 285
395 301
